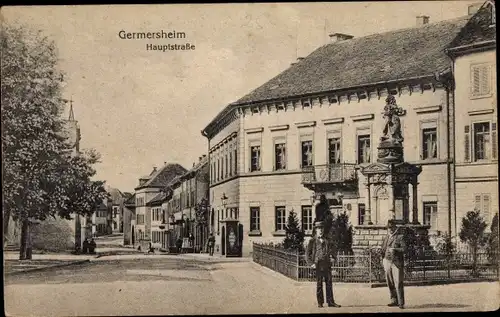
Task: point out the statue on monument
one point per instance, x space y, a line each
392 128
390 149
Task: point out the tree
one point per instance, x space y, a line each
340 233
493 241
294 239
472 233
41 177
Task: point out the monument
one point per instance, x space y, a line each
388 183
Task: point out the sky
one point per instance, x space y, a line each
140 108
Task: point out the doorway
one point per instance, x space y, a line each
133 235
223 241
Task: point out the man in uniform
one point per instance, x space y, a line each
319 254
393 249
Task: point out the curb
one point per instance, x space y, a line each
436 282
37 269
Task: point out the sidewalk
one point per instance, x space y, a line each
12 267
205 257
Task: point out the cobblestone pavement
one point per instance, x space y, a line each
169 285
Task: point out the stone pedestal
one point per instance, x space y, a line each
368 236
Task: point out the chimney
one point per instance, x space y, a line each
291 64
164 163
193 164
422 20
154 168
199 159
204 155
299 59
473 8
338 37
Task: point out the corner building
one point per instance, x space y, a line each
309 130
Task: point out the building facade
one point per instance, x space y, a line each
187 208
149 187
311 129
476 152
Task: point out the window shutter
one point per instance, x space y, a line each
494 141
467 143
486 208
485 80
477 202
476 84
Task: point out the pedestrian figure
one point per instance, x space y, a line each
85 246
211 244
178 244
151 249
92 246
191 240
393 249
319 254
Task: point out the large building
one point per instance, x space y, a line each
310 130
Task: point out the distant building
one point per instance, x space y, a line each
187 205
129 220
310 129
149 187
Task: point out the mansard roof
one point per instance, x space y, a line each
480 29
360 62
390 56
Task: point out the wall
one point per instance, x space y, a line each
475 177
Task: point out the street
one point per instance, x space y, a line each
176 285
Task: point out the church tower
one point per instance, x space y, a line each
73 130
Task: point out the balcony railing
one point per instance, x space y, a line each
333 173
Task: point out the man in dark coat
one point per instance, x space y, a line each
319 254
322 209
393 249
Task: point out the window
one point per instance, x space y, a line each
235 162
226 166
482 141
361 214
218 169
279 156
482 203
334 151
306 153
230 163
363 149
140 219
307 218
480 80
255 158
218 221
254 218
429 143
430 214
280 218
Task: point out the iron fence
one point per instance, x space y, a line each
367 266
